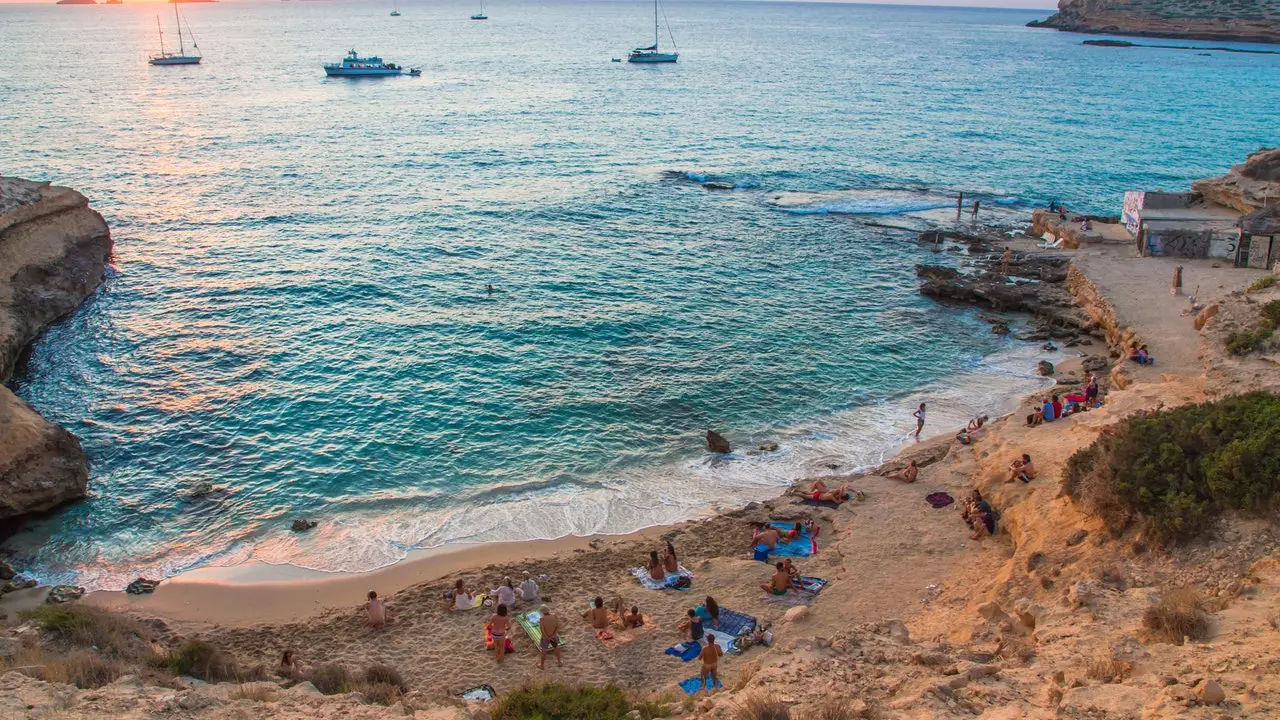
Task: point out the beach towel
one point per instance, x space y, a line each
484 693
694 685
667 582
613 638
812 584
529 621
801 546
939 499
732 624
686 651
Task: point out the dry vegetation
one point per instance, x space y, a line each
759 707
1108 668
1180 614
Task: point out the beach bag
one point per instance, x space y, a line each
682 583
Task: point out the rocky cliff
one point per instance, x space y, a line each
53 251
1248 186
1223 20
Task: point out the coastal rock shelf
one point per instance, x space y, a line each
1223 20
53 251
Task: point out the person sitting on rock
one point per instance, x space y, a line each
907 474
779 583
1022 469
976 424
793 572
1046 411
1141 356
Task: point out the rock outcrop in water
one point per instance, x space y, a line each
1039 289
53 251
1223 20
1246 187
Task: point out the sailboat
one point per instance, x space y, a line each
480 15
181 57
395 9
652 54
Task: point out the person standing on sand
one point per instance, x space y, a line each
377 611
1005 259
919 416
976 205
710 656
549 624
498 631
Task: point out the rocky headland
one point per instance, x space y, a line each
53 252
1223 20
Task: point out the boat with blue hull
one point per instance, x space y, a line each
373 66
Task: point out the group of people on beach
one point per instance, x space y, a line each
1054 408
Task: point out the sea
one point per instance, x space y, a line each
496 301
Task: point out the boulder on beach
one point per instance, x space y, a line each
59 594
142 586
717 443
303 525
1044 367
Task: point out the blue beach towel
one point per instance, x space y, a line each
694 685
733 624
686 651
484 693
802 546
812 584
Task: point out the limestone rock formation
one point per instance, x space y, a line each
53 252
1223 20
1248 186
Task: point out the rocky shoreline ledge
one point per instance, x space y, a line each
53 253
1251 21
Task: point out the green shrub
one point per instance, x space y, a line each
557 702
90 627
1176 470
199 659
1263 283
1271 313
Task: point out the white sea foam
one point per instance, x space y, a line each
860 202
622 503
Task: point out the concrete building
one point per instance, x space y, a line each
1182 225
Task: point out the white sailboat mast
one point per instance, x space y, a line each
182 49
655 24
161 31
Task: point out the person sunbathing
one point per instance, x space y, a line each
670 563
632 619
709 610
377 609
780 582
907 474
692 625
819 492
463 598
655 566
767 535
976 424
793 572
1022 469
596 615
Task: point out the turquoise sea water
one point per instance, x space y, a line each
297 309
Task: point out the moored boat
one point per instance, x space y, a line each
652 54
181 57
373 66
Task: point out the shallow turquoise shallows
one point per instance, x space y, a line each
298 309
